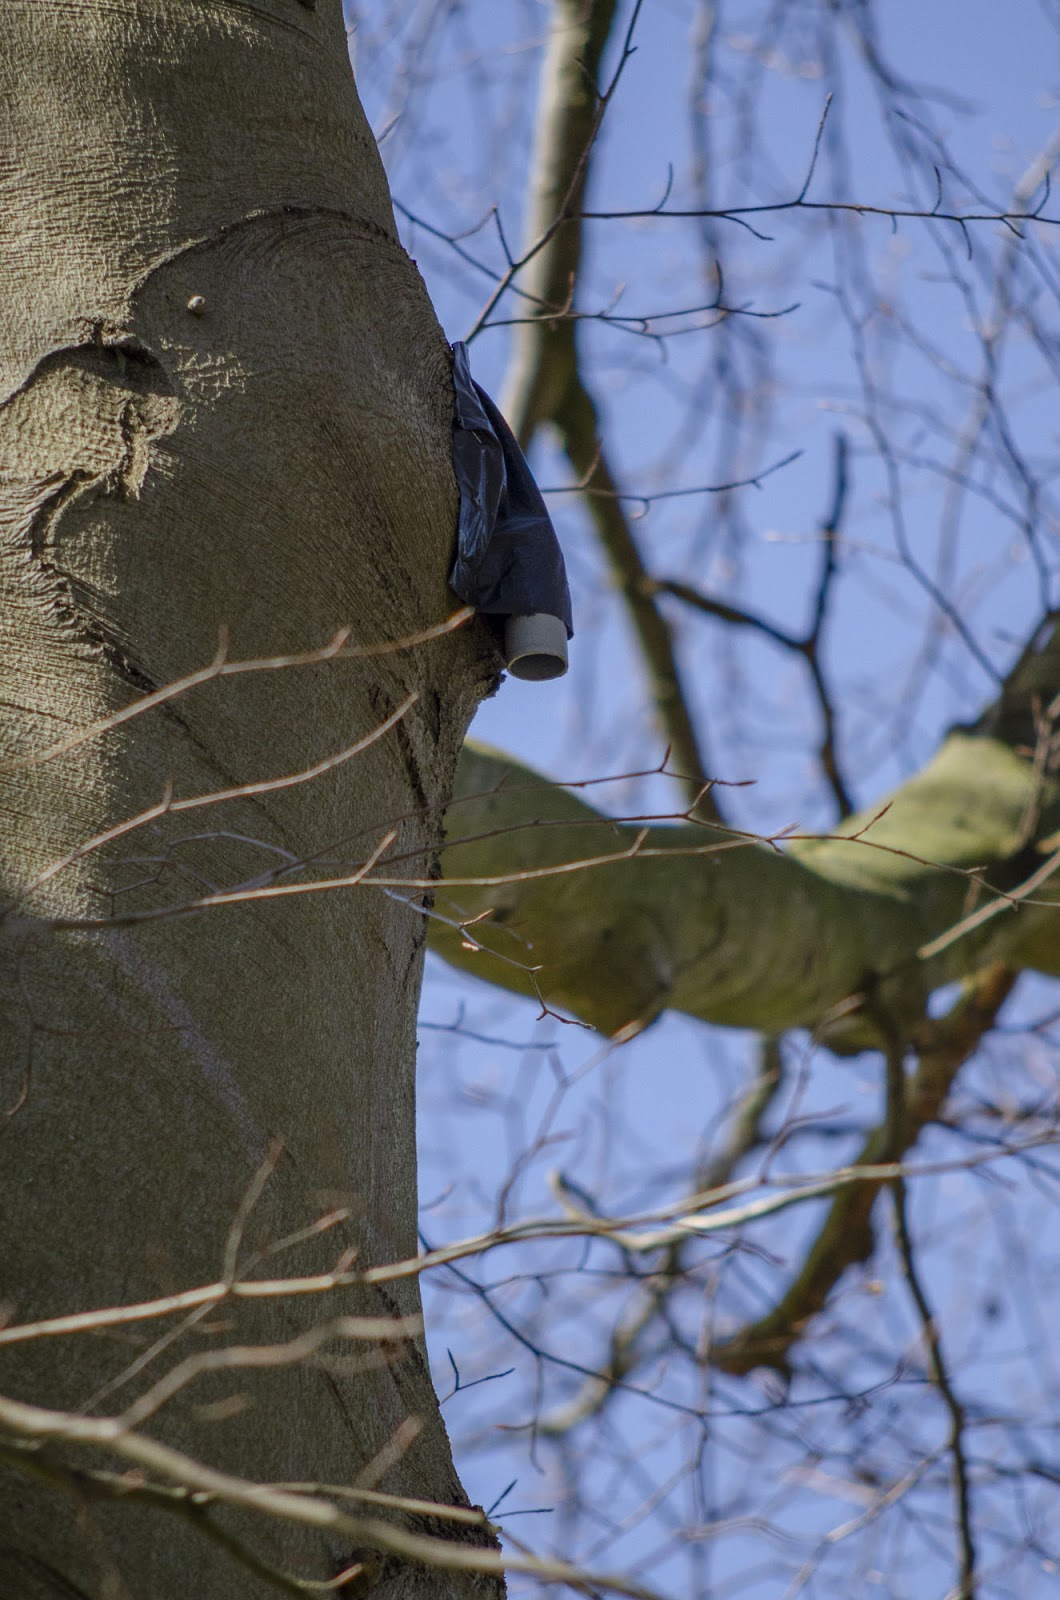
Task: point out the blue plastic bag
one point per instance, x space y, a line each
508 562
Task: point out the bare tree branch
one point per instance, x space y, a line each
846 1238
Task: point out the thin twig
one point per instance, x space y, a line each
941 1379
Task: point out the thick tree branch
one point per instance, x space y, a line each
785 933
566 126
576 420
546 384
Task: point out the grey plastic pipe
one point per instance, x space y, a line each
535 647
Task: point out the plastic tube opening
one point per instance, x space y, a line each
535 647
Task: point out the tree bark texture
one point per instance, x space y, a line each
225 404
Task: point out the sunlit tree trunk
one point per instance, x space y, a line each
225 405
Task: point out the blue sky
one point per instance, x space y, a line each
450 90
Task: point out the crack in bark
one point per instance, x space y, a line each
107 448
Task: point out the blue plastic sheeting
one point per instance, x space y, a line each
508 560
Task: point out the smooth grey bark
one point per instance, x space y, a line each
225 403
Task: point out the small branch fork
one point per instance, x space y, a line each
808 645
894 214
588 39
1012 220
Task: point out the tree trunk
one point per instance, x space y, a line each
225 404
